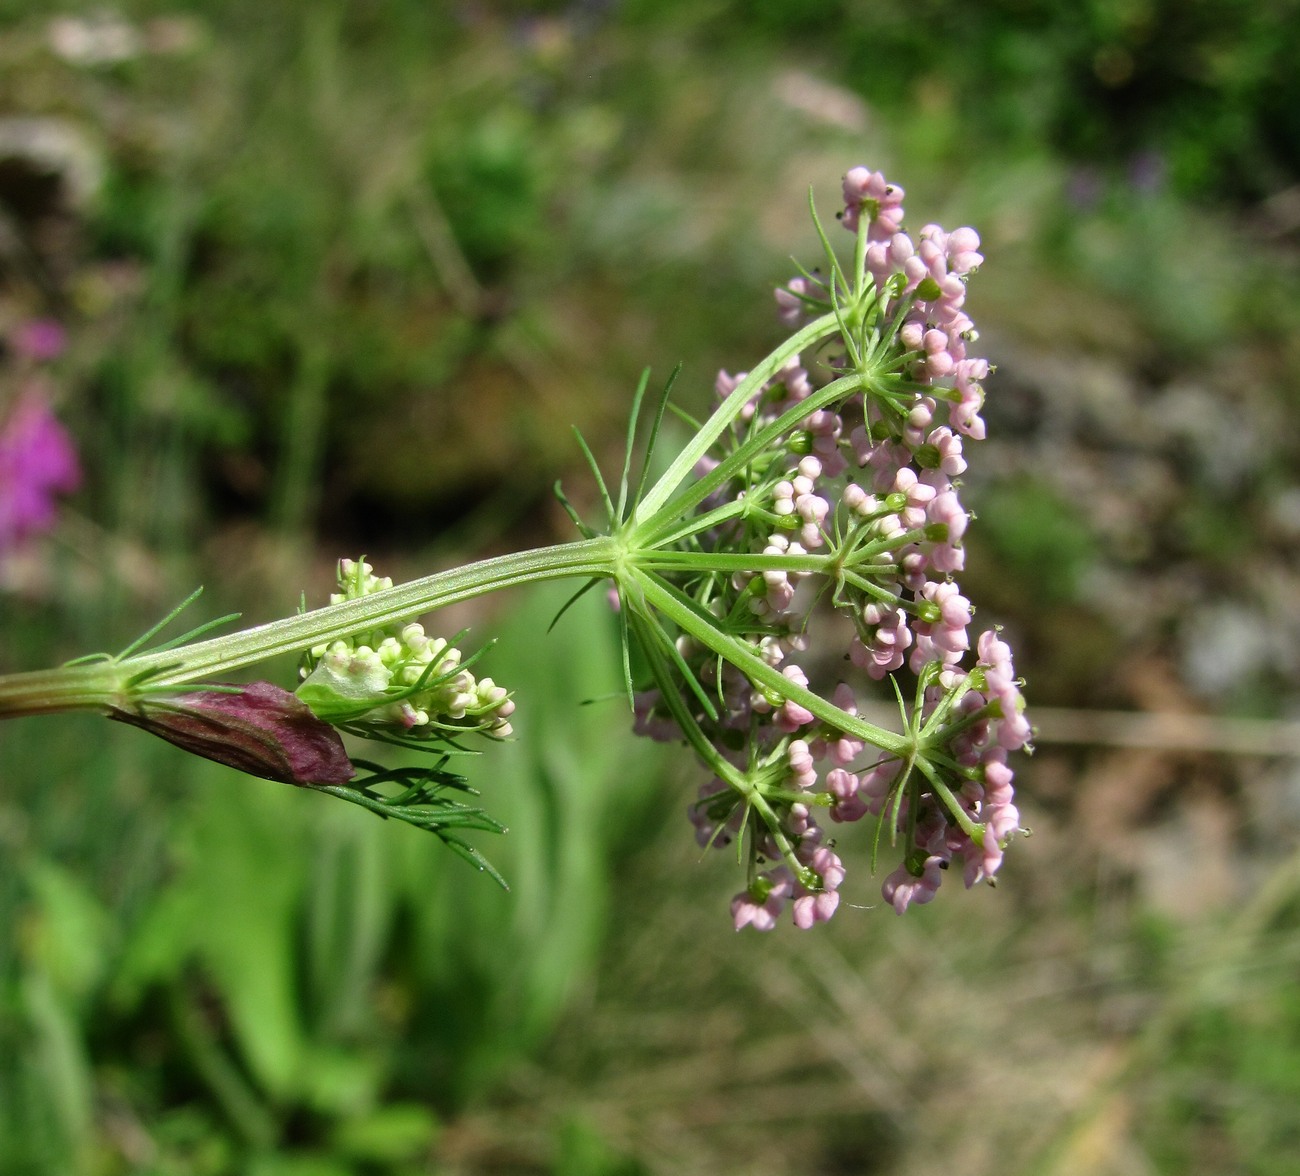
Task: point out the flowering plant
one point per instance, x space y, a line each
829 471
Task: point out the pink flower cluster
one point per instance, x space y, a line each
990 698
873 479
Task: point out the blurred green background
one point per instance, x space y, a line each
339 277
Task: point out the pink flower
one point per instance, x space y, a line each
761 905
811 909
947 509
841 784
791 716
803 773
40 339
948 633
997 777
948 445
817 906
790 301
918 496
884 654
882 201
963 250
902 888
896 535
37 463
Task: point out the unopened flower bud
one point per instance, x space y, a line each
260 729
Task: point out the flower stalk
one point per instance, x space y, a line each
113 682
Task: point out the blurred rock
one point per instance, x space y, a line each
1225 644
103 38
48 165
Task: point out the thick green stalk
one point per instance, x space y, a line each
112 682
683 464
650 529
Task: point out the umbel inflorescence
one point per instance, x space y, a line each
838 479
803 542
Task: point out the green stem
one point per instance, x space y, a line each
737 780
951 803
113 682
739 561
683 464
705 630
681 713
650 528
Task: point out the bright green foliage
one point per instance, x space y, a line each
368 983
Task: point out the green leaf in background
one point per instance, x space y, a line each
68 933
495 970
1043 543
47 1088
59 1086
232 907
387 1135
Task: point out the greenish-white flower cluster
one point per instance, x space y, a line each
398 676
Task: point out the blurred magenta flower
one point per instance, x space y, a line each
40 339
37 462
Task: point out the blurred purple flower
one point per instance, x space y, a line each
37 462
40 339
